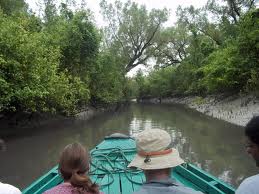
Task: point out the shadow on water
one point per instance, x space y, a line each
30 155
214 145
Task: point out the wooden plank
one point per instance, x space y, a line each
115 186
126 185
99 179
190 176
137 178
97 175
104 184
113 143
143 177
107 180
94 178
134 177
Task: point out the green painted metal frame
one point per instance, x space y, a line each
47 181
121 182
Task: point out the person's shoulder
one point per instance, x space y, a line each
252 180
64 188
249 185
141 191
187 190
9 189
174 189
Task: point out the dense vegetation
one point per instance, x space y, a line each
60 61
201 56
53 63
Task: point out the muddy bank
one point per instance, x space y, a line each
234 109
22 123
90 112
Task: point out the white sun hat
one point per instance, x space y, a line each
154 151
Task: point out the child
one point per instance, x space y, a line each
73 166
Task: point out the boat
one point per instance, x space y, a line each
108 169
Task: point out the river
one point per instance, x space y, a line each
215 146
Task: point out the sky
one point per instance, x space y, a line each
93 5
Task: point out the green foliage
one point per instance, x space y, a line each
142 85
172 45
248 40
67 93
132 31
253 83
54 64
29 70
107 80
156 84
130 89
232 67
220 71
58 62
208 68
11 6
158 81
79 43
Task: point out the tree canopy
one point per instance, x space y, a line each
207 56
132 31
60 61
52 63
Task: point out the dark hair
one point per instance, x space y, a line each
73 165
252 130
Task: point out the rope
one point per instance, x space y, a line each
111 161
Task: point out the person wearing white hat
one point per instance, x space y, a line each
156 158
8 189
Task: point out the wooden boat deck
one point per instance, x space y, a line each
109 170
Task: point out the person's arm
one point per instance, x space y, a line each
18 192
242 190
12 190
248 186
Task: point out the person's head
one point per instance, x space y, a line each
154 153
73 166
252 134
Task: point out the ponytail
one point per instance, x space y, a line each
73 165
83 184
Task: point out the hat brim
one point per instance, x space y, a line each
157 162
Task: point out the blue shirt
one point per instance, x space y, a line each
249 186
168 186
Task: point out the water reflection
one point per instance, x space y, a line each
29 156
213 145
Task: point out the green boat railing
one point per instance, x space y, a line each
109 169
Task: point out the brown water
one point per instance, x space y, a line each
213 145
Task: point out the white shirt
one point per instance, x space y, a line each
249 186
8 189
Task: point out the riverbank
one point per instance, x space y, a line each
234 109
20 123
